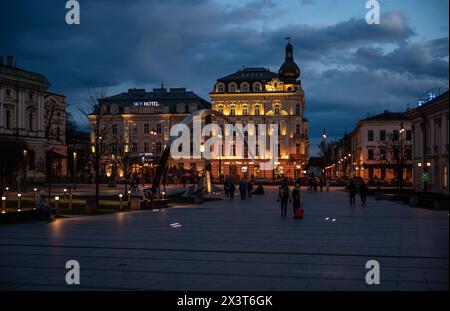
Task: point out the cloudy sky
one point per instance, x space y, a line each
349 69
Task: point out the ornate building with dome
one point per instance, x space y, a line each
260 96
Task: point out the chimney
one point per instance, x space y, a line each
1 60
10 61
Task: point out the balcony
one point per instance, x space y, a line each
297 157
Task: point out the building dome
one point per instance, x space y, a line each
289 69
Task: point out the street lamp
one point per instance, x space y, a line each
3 205
19 199
220 158
57 204
34 192
120 201
74 170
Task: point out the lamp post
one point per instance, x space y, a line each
19 199
120 201
153 135
65 194
25 160
220 159
34 193
3 205
129 198
57 204
74 170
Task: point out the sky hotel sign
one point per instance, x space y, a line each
146 104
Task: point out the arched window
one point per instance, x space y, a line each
244 110
298 109
257 87
276 109
220 88
232 87
257 111
245 87
297 149
297 129
232 111
220 109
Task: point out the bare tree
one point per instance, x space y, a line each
11 158
125 153
97 115
396 150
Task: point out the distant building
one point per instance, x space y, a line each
378 144
31 113
376 149
260 96
315 167
141 123
431 138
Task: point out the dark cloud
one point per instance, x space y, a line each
347 69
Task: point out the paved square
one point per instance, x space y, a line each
234 245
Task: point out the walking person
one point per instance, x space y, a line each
226 188
283 197
232 189
315 182
321 183
352 192
296 199
243 188
363 193
249 189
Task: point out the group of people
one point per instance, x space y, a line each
353 189
284 197
245 188
315 183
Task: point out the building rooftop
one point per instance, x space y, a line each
387 116
250 74
14 72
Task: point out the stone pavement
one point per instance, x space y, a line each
234 245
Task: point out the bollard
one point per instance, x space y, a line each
3 205
57 204
19 199
120 201
129 199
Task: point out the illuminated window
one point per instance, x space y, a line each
245 110
245 87
232 87
220 88
221 109
232 111
257 87
257 110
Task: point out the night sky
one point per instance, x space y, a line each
349 69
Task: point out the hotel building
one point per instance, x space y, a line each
260 96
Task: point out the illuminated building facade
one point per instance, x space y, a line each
140 129
32 114
259 96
